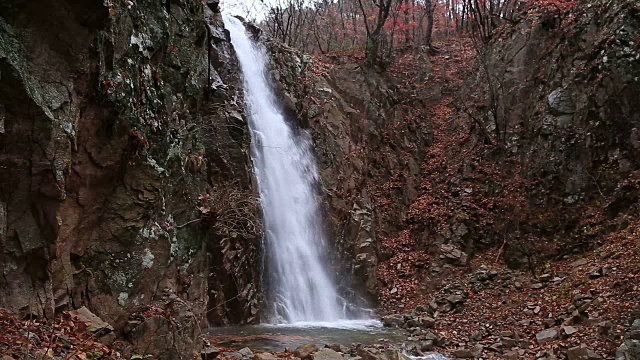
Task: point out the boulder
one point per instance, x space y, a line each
304 351
394 320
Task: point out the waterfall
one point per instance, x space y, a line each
301 288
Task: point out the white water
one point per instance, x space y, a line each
302 289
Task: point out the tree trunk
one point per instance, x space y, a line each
429 34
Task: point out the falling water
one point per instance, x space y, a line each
285 170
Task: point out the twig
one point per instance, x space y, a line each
188 222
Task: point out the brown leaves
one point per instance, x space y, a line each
63 338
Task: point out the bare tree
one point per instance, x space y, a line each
374 31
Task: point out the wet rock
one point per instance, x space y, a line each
545 336
395 320
582 353
304 351
327 354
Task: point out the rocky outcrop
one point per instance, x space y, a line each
366 156
565 90
125 170
630 348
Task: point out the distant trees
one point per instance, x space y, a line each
379 27
374 25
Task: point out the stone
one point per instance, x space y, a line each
427 322
326 354
246 353
512 355
597 272
547 335
209 353
338 348
233 354
395 320
452 255
90 320
569 330
560 102
582 353
629 350
427 345
463 353
579 262
264 356
432 337
455 299
370 353
304 351
468 353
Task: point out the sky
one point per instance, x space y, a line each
250 9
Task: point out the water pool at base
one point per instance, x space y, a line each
275 338
278 338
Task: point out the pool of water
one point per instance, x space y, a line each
276 338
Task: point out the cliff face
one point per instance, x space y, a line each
125 176
566 92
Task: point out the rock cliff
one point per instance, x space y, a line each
125 177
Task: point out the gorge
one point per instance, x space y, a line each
166 169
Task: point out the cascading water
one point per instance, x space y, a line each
286 174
